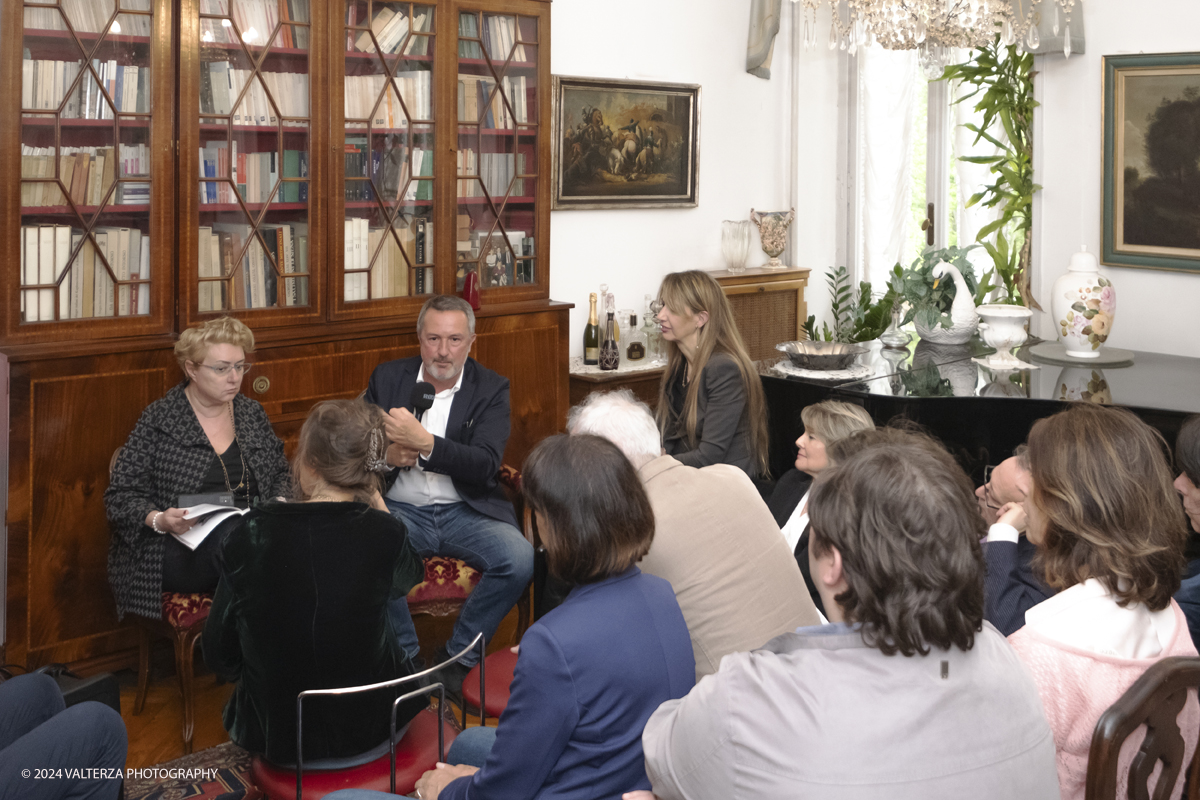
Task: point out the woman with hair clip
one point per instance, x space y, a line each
303 598
711 407
1110 537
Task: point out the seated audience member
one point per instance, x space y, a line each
591 671
303 601
1187 461
203 437
1110 537
445 489
824 424
1013 586
907 693
39 733
714 540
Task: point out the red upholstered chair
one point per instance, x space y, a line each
183 618
449 582
494 678
414 753
1154 700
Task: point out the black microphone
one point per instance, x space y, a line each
422 398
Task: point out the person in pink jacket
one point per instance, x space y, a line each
1110 535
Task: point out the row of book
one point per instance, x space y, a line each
222 84
87 172
392 169
255 174
90 16
254 281
259 17
414 87
477 102
494 170
390 28
44 83
376 263
86 289
499 37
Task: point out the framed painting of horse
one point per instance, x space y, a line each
625 144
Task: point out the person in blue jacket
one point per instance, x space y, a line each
592 671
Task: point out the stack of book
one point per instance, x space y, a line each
253 280
87 172
44 83
221 85
87 16
499 38
495 170
390 28
414 88
478 102
86 289
255 175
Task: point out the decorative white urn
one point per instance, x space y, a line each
1003 327
1084 304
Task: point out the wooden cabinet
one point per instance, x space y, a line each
317 169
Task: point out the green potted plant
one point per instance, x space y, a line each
856 318
941 301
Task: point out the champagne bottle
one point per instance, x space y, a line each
591 335
610 354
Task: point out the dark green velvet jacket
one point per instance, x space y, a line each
302 604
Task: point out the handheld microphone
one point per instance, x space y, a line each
422 398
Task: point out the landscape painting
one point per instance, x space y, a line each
1152 161
624 144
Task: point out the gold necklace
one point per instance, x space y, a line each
221 459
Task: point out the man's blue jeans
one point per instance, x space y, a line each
496 549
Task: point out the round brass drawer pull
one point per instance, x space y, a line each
261 384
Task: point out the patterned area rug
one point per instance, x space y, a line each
218 773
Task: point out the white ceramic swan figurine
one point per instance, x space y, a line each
964 321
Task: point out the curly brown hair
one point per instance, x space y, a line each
904 518
1102 481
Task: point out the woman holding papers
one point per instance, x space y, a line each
303 598
203 439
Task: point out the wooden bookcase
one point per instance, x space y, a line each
296 163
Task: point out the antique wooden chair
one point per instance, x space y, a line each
1154 700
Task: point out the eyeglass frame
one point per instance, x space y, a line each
222 371
987 490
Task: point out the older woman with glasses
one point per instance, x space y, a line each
202 438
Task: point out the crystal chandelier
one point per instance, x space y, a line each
934 28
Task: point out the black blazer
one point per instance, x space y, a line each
1012 587
722 420
783 501
476 432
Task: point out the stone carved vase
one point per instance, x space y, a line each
772 230
1084 304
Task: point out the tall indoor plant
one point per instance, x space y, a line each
1001 77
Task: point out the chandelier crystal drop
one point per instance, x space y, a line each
935 28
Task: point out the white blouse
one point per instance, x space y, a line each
1087 617
797 522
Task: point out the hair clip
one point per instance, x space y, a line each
377 453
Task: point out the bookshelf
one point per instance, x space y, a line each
298 164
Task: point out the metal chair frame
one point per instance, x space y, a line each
476 643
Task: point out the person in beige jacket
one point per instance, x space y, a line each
715 541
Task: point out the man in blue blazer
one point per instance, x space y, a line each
444 489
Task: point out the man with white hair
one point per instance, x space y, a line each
714 539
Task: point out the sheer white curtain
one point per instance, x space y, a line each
972 178
888 85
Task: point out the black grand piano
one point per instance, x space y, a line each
981 415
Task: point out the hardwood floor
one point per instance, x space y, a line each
155 734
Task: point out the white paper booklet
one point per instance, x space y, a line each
209 516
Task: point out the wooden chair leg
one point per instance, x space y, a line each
143 670
185 647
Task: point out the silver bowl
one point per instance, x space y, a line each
821 355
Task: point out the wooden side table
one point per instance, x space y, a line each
642 382
768 306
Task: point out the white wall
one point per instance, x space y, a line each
1154 308
745 140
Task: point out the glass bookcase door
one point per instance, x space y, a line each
87 187
496 223
253 153
388 151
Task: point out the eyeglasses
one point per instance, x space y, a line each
987 488
223 370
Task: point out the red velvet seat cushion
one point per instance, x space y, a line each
447 585
499 674
185 610
416 753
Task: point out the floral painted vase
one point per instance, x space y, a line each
1084 384
1084 304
